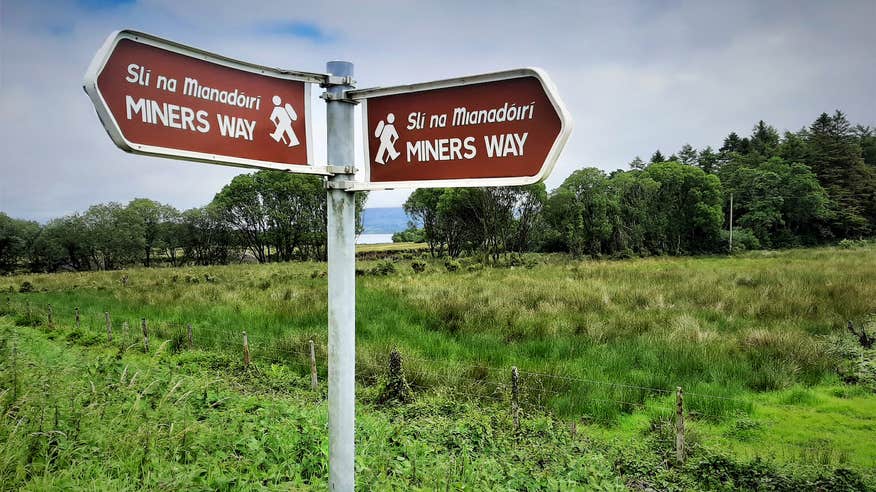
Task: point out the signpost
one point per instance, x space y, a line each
497 129
161 98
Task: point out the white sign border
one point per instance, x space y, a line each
112 127
547 84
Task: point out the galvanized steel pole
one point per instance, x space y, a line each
341 283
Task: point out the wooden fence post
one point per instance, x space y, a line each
145 336
76 313
49 315
190 335
515 396
109 326
679 425
314 382
245 351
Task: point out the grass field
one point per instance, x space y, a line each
384 247
757 342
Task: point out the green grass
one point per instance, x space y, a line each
602 343
77 417
122 420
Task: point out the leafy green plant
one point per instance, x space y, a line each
419 266
383 268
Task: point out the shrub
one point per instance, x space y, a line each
409 235
841 480
82 337
383 268
419 266
451 265
472 264
26 287
28 319
716 472
743 240
514 259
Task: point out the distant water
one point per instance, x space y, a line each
384 220
374 238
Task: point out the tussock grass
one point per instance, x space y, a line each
723 326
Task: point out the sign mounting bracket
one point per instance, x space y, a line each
341 169
342 97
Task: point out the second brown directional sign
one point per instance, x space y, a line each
498 129
159 97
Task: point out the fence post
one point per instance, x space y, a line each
109 326
245 351
49 315
679 425
314 381
515 396
145 336
191 336
76 313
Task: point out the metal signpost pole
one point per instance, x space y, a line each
341 279
483 147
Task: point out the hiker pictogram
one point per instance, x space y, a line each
282 118
388 136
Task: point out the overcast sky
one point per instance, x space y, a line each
636 76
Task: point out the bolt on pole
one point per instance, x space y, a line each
341 284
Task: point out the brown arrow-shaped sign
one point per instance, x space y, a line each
499 129
158 97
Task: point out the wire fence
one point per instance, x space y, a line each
560 395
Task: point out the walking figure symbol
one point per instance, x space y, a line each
282 118
388 136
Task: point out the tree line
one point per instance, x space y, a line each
259 217
795 189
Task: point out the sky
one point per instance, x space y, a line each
635 76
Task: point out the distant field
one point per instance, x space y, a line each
391 247
757 342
